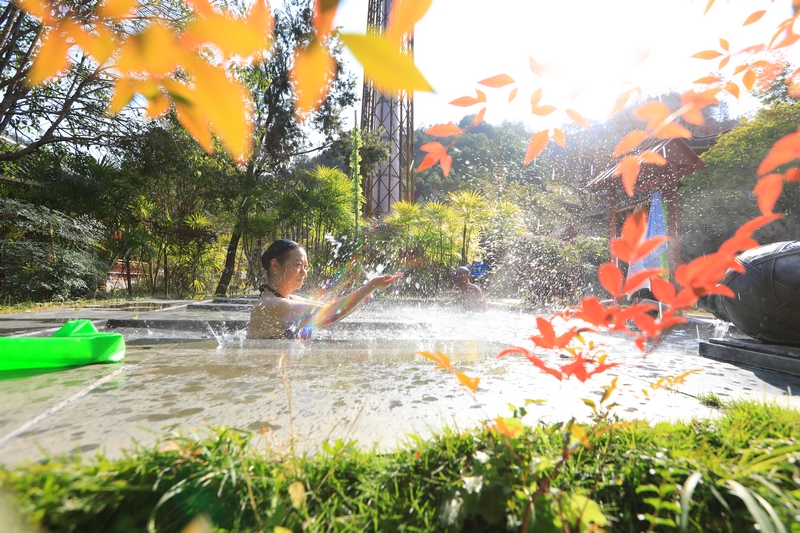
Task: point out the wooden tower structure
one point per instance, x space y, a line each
393 115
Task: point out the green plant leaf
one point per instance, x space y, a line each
756 511
686 498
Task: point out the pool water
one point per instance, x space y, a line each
359 379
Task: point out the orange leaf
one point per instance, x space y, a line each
652 158
630 142
404 15
724 44
504 429
707 80
468 382
479 116
512 94
99 46
749 79
536 97
647 247
158 105
754 17
610 277
429 161
51 58
767 190
467 101
578 119
501 80
536 67
116 8
195 123
38 9
622 99
155 51
724 61
672 130
432 147
124 91
543 111
313 69
628 168
536 145
441 360
202 7
654 113
444 130
708 6
324 12
707 54
733 89
559 138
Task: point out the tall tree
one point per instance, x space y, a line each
280 134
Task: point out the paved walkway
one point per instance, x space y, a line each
361 380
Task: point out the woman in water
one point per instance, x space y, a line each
281 315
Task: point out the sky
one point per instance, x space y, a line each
593 44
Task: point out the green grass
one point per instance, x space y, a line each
710 399
723 475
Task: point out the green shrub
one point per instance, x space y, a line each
46 255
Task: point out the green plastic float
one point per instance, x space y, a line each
77 343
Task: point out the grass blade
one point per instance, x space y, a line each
686 498
761 518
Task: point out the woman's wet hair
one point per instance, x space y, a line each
277 249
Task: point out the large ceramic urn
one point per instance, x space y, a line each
767 301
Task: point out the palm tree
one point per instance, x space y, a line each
438 214
468 204
404 214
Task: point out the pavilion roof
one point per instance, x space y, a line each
681 161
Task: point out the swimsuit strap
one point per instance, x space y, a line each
270 289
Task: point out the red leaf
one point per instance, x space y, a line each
628 168
610 277
630 141
432 147
576 368
536 145
663 290
446 161
501 80
647 247
578 119
631 237
513 349
721 289
429 160
654 113
593 312
635 281
444 130
785 150
547 337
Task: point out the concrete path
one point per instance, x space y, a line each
361 380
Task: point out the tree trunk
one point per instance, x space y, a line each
230 263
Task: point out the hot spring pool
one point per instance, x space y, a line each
192 367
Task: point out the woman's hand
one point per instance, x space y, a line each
381 282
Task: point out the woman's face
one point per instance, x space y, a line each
293 270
